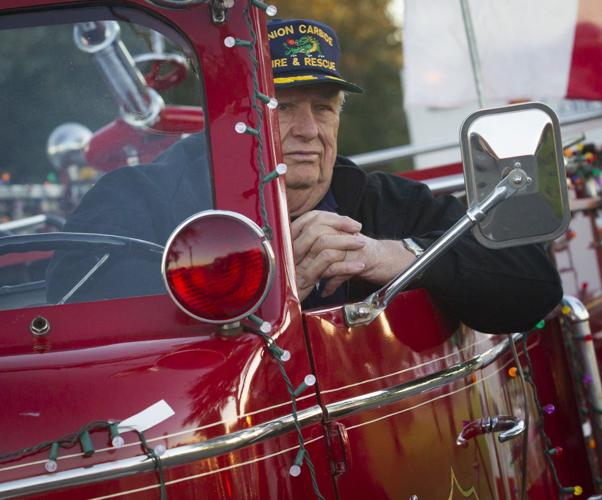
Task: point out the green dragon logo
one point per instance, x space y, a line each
304 45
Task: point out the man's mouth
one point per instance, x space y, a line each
302 155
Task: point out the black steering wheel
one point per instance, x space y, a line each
109 243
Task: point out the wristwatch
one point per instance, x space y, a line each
412 246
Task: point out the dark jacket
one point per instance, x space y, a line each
490 290
503 290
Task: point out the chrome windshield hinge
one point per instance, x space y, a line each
219 10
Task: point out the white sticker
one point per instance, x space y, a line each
586 427
148 418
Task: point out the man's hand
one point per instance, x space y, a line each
320 242
328 245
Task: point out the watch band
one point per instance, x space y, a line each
412 246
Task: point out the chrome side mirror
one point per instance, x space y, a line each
527 137
516 189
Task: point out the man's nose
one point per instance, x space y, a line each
305 124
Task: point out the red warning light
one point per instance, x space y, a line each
218 266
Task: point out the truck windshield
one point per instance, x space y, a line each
104 153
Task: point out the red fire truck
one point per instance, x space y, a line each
217 384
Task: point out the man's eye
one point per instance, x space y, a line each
283 106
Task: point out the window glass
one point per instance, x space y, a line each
104 153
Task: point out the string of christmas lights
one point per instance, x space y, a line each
154 455
544 410
584 169
84 439
587 407
281 356
257 102
66 442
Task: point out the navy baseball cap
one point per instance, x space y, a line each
305 52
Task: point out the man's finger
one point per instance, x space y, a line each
309 247
313 238
332 284
342 271
311 270
300 222
320 217
343 268
347 242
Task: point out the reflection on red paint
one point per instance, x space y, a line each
224 288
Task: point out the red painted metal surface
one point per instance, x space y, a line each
434 172
91 369
111 359
555 385
409 447
15 259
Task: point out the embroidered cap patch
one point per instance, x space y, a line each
305 52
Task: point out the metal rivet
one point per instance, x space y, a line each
39 326
516 178
363 312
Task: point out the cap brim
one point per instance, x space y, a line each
282 82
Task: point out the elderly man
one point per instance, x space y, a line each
353 231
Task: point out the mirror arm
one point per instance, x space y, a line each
366 311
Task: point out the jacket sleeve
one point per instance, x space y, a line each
493 291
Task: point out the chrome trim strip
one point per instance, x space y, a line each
375 158
29 222
171 458
447 184
581 335
396 393
256 434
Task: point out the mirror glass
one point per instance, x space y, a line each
494 141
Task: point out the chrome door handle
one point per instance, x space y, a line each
509 427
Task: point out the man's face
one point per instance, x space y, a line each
309 124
